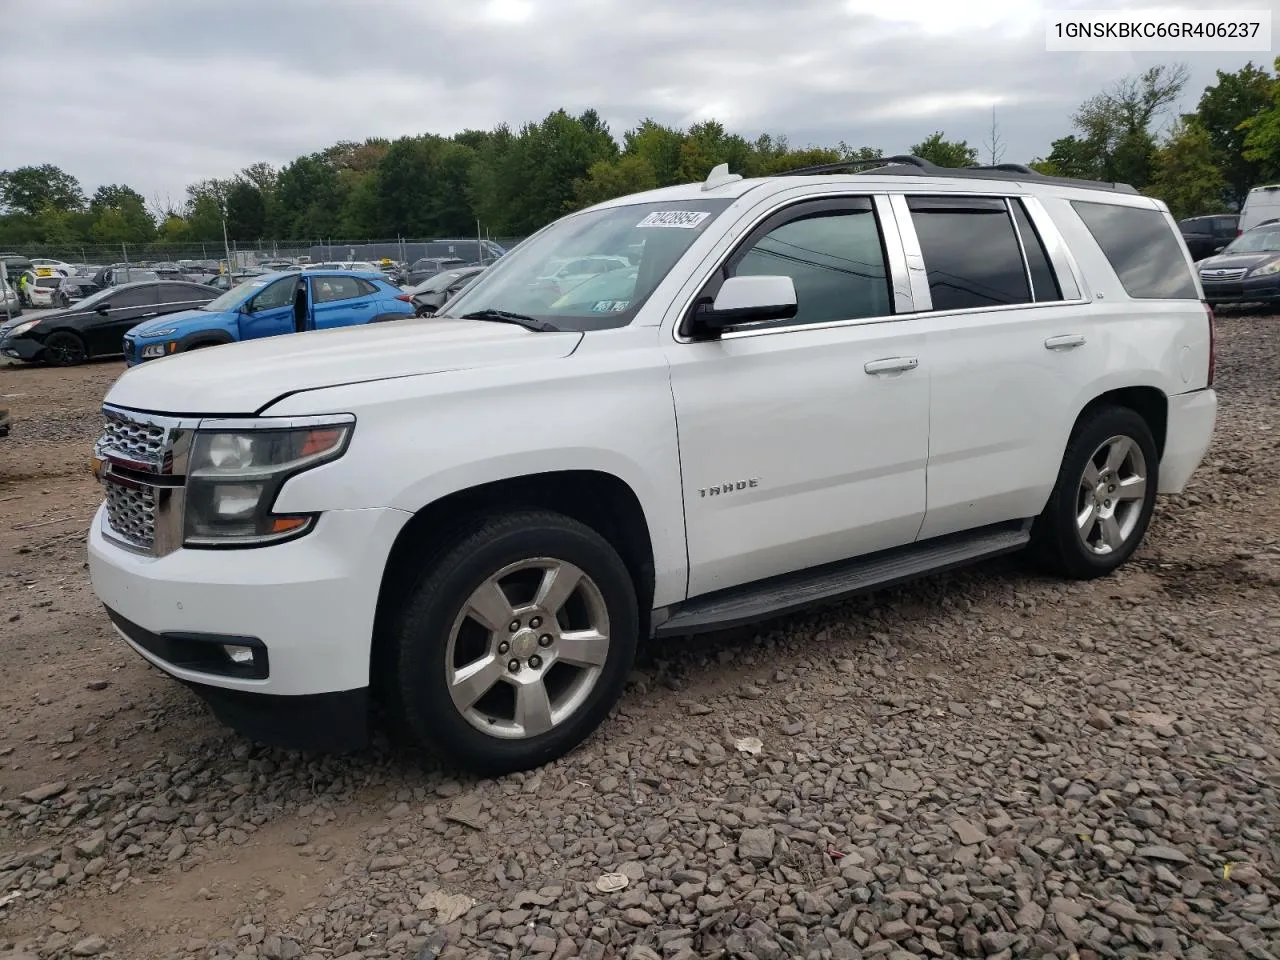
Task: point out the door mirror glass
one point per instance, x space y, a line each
751 299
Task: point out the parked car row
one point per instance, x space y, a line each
149 319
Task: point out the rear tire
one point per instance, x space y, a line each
514 644
1104 497
64 349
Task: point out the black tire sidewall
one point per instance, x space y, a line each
1075 560
422 630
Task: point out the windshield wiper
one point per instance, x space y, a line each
519 319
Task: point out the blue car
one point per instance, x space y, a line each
268 306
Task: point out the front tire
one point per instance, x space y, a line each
515 642
1104 497
64 349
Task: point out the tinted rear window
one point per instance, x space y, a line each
1142 250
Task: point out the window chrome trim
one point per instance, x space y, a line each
1022 247
899 275
1061 258
914 252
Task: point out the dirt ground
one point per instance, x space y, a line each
280 837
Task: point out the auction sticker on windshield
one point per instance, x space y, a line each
680 219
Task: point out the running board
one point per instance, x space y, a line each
838 581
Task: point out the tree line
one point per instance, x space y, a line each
515 181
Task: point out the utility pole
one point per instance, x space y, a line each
226 246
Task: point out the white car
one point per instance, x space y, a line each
59 266
40 290
1260 206
813 385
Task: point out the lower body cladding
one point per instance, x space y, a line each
276 640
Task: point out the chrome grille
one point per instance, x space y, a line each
144 465
132 514
1223 276
134 439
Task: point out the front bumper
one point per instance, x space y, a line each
1247 290
21 348
308 604
1187 437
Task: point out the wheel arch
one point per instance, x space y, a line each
1150 403
600 500
203 338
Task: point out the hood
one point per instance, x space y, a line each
242 378
7 325
1234 261
202 318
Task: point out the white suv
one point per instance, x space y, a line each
814 385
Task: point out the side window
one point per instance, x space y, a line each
366 288
971 254
135 297
1044 283
1141 248
329 289
278 294
1226 225
177 293
835 258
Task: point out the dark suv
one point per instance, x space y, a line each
1205 236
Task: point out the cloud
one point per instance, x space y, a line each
158 94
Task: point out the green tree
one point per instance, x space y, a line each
938 150
1224 110
309 196
30 190
1262 135
119 215
204 218
659 147
1186 172
808 157
614 178
246 211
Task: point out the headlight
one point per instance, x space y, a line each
1266 270
157 350
236 472
23 327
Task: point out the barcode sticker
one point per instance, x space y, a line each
679 219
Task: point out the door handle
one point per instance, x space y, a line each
1065 342
891 365
153 313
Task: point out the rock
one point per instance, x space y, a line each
45 792
93 844
896 930
998 941
637 917
1158 852
89 947
1030 917
1100 719
757 844
969 833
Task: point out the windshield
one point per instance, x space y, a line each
637 245
1255 241
234 297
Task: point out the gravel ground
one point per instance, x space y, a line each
989 764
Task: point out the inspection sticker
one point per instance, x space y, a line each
680 219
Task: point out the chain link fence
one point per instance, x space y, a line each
400 249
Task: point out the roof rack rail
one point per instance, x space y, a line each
918 167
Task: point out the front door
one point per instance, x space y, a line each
126 308
804 441
269 312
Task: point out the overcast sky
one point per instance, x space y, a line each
158 93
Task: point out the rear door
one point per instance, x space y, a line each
342 301
126 309
1010 342
269 313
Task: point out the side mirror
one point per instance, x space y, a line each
102 308
751 299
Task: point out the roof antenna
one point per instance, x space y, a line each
719 176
